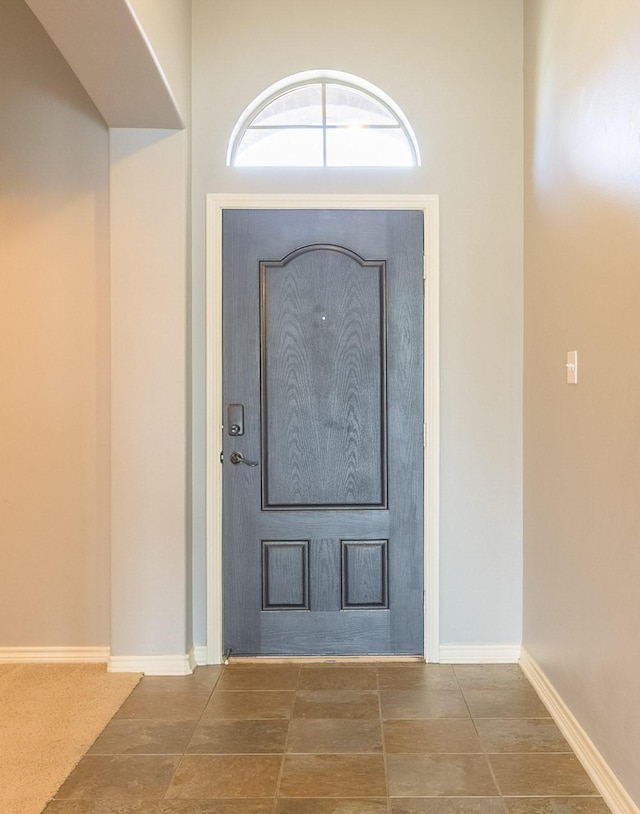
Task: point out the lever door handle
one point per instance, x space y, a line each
238 458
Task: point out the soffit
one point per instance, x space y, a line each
107 49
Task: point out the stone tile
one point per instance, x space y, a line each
414 676
259 677
518 703
354 704
251 705
520 735
431 735
165 704
240 806
540 774
331 807
447 805
101 807
239 737
490 676
440 776
120 777
423 703
203 678
124 736
226 776
333 776
556 805
333 763
332 677
334 736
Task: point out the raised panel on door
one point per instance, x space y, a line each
323 380
322 335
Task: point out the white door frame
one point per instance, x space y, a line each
428 205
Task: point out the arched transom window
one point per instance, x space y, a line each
323 119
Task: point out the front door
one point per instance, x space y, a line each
323 432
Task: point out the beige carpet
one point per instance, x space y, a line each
50 714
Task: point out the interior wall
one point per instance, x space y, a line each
150 268
54 318
582 292
455 68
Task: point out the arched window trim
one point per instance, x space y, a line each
295 81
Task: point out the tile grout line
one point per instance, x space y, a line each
198 722
484 751
487 753
276 794
384 747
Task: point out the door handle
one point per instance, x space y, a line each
238 458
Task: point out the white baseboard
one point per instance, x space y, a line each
601 774
200 654
180 664
56 655
479 653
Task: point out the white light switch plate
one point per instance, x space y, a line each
572 367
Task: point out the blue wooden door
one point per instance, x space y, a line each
323 436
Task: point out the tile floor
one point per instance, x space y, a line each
331 739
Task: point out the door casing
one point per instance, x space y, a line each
428 205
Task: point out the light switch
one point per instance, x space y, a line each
572 367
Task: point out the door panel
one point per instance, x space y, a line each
322 338
323 355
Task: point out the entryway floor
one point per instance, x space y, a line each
386 738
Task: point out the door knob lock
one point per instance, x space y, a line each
238 458
235 419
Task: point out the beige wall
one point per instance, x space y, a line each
455 68
54 348
150 268
582 291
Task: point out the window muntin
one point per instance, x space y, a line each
346 104
323 121
301 106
